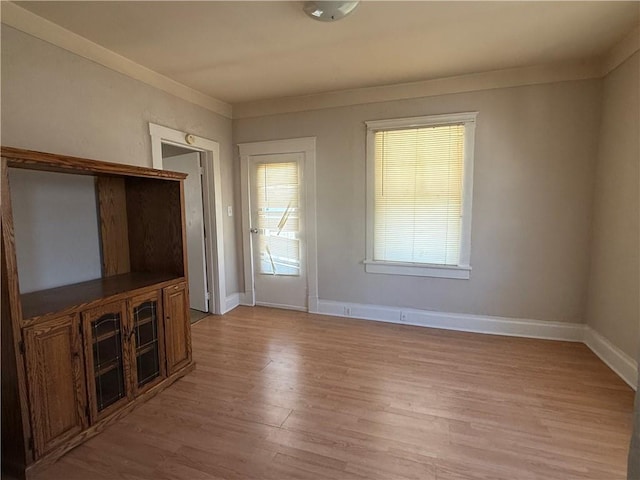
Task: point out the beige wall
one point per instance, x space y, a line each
534 171
55 220
614 286
55 101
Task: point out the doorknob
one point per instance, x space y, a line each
253 230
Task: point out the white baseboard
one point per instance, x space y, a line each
571 332
282 306
231 302
246 299
621 363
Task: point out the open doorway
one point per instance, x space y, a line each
200 159
180 159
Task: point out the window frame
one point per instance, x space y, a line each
463 269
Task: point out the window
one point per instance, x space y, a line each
278 218
419 186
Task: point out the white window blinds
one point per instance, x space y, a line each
278 218
418 195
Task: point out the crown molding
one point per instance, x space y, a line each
626 47
513 77
31 24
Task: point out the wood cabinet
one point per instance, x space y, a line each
77 356
55 375
177 326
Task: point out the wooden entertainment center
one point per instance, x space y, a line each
77 357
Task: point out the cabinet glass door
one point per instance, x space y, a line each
147 340
146 334
107 358
108 362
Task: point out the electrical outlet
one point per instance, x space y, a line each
347 311
403 316
229 210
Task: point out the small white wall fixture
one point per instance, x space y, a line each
212 193
306 146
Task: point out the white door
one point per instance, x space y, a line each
190 164
277 237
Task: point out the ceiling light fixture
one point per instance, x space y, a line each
329 11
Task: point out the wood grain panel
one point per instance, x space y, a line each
33 160
56 382
177 327
15 419
13 443
112 207
183 227
281 395
155 217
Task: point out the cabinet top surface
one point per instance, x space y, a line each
61 299
29 159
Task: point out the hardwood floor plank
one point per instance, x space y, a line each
286 395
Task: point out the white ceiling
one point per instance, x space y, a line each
243 51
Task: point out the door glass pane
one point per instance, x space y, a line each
278 218
107 359
145 323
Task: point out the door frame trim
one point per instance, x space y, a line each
212 193
306 146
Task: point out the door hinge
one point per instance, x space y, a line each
207 296
30 444
21 347
201 170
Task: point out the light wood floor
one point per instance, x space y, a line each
280 395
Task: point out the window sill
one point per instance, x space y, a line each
460 272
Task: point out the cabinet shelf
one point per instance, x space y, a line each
144 321
60 299
146 348
106 336
102 369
